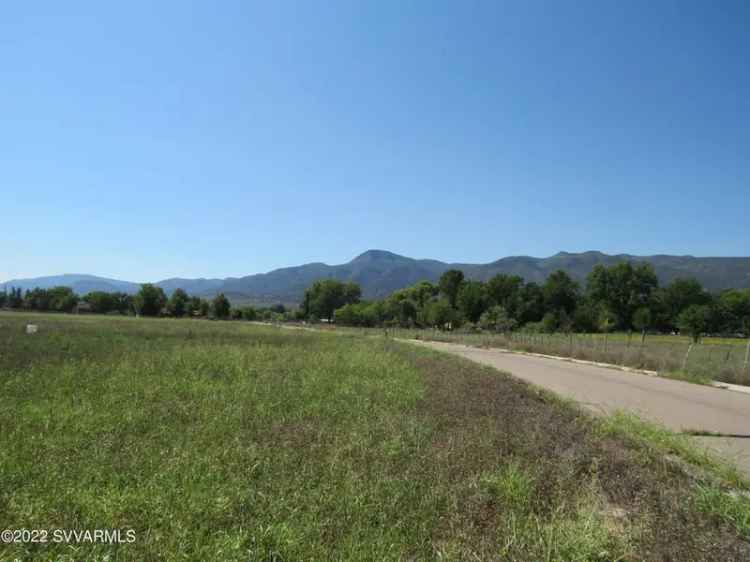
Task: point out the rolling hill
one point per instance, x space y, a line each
80 283
380 273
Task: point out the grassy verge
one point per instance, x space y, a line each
720 489
720 359
686 377
225 441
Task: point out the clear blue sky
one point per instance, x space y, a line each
144 140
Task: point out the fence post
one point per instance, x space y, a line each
687 354
640 349
747 355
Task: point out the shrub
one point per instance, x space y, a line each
496 319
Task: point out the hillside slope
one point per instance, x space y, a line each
380 273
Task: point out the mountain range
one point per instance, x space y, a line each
379 273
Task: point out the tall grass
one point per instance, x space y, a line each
216 441
229 441
720 359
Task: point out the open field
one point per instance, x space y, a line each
231 441
721 359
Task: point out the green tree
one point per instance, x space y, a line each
450 283
607 320
471 300
586 316
62 299
439 313
178 303
622 288
150 300
193 307
249 313
15 298
549 323
348 315
423 292
220 306
694 320
504 290
676 297
719 317
326 295
359 314
101 302
560 293
530 304
405 305
642 319
204 308
352 293
736 304
122 302
400 308
37 299
496 319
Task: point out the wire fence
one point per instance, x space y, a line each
721 361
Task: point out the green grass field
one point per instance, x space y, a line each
230 441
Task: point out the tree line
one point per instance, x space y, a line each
150 300
624 297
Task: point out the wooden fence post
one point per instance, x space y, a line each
687 354
747 355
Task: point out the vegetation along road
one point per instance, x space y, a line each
720 417
235 442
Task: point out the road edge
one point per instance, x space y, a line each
713 383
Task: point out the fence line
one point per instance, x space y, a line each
727 362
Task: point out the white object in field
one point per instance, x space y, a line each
31 328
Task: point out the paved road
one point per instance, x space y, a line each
678 405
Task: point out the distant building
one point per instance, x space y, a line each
83 308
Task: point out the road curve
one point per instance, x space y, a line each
676 404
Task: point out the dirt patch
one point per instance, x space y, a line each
484 418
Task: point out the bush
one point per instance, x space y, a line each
533 328
359 314
496 319
694 320
221 306
150 300
549 323
440 314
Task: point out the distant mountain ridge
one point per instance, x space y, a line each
79 282
380 272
